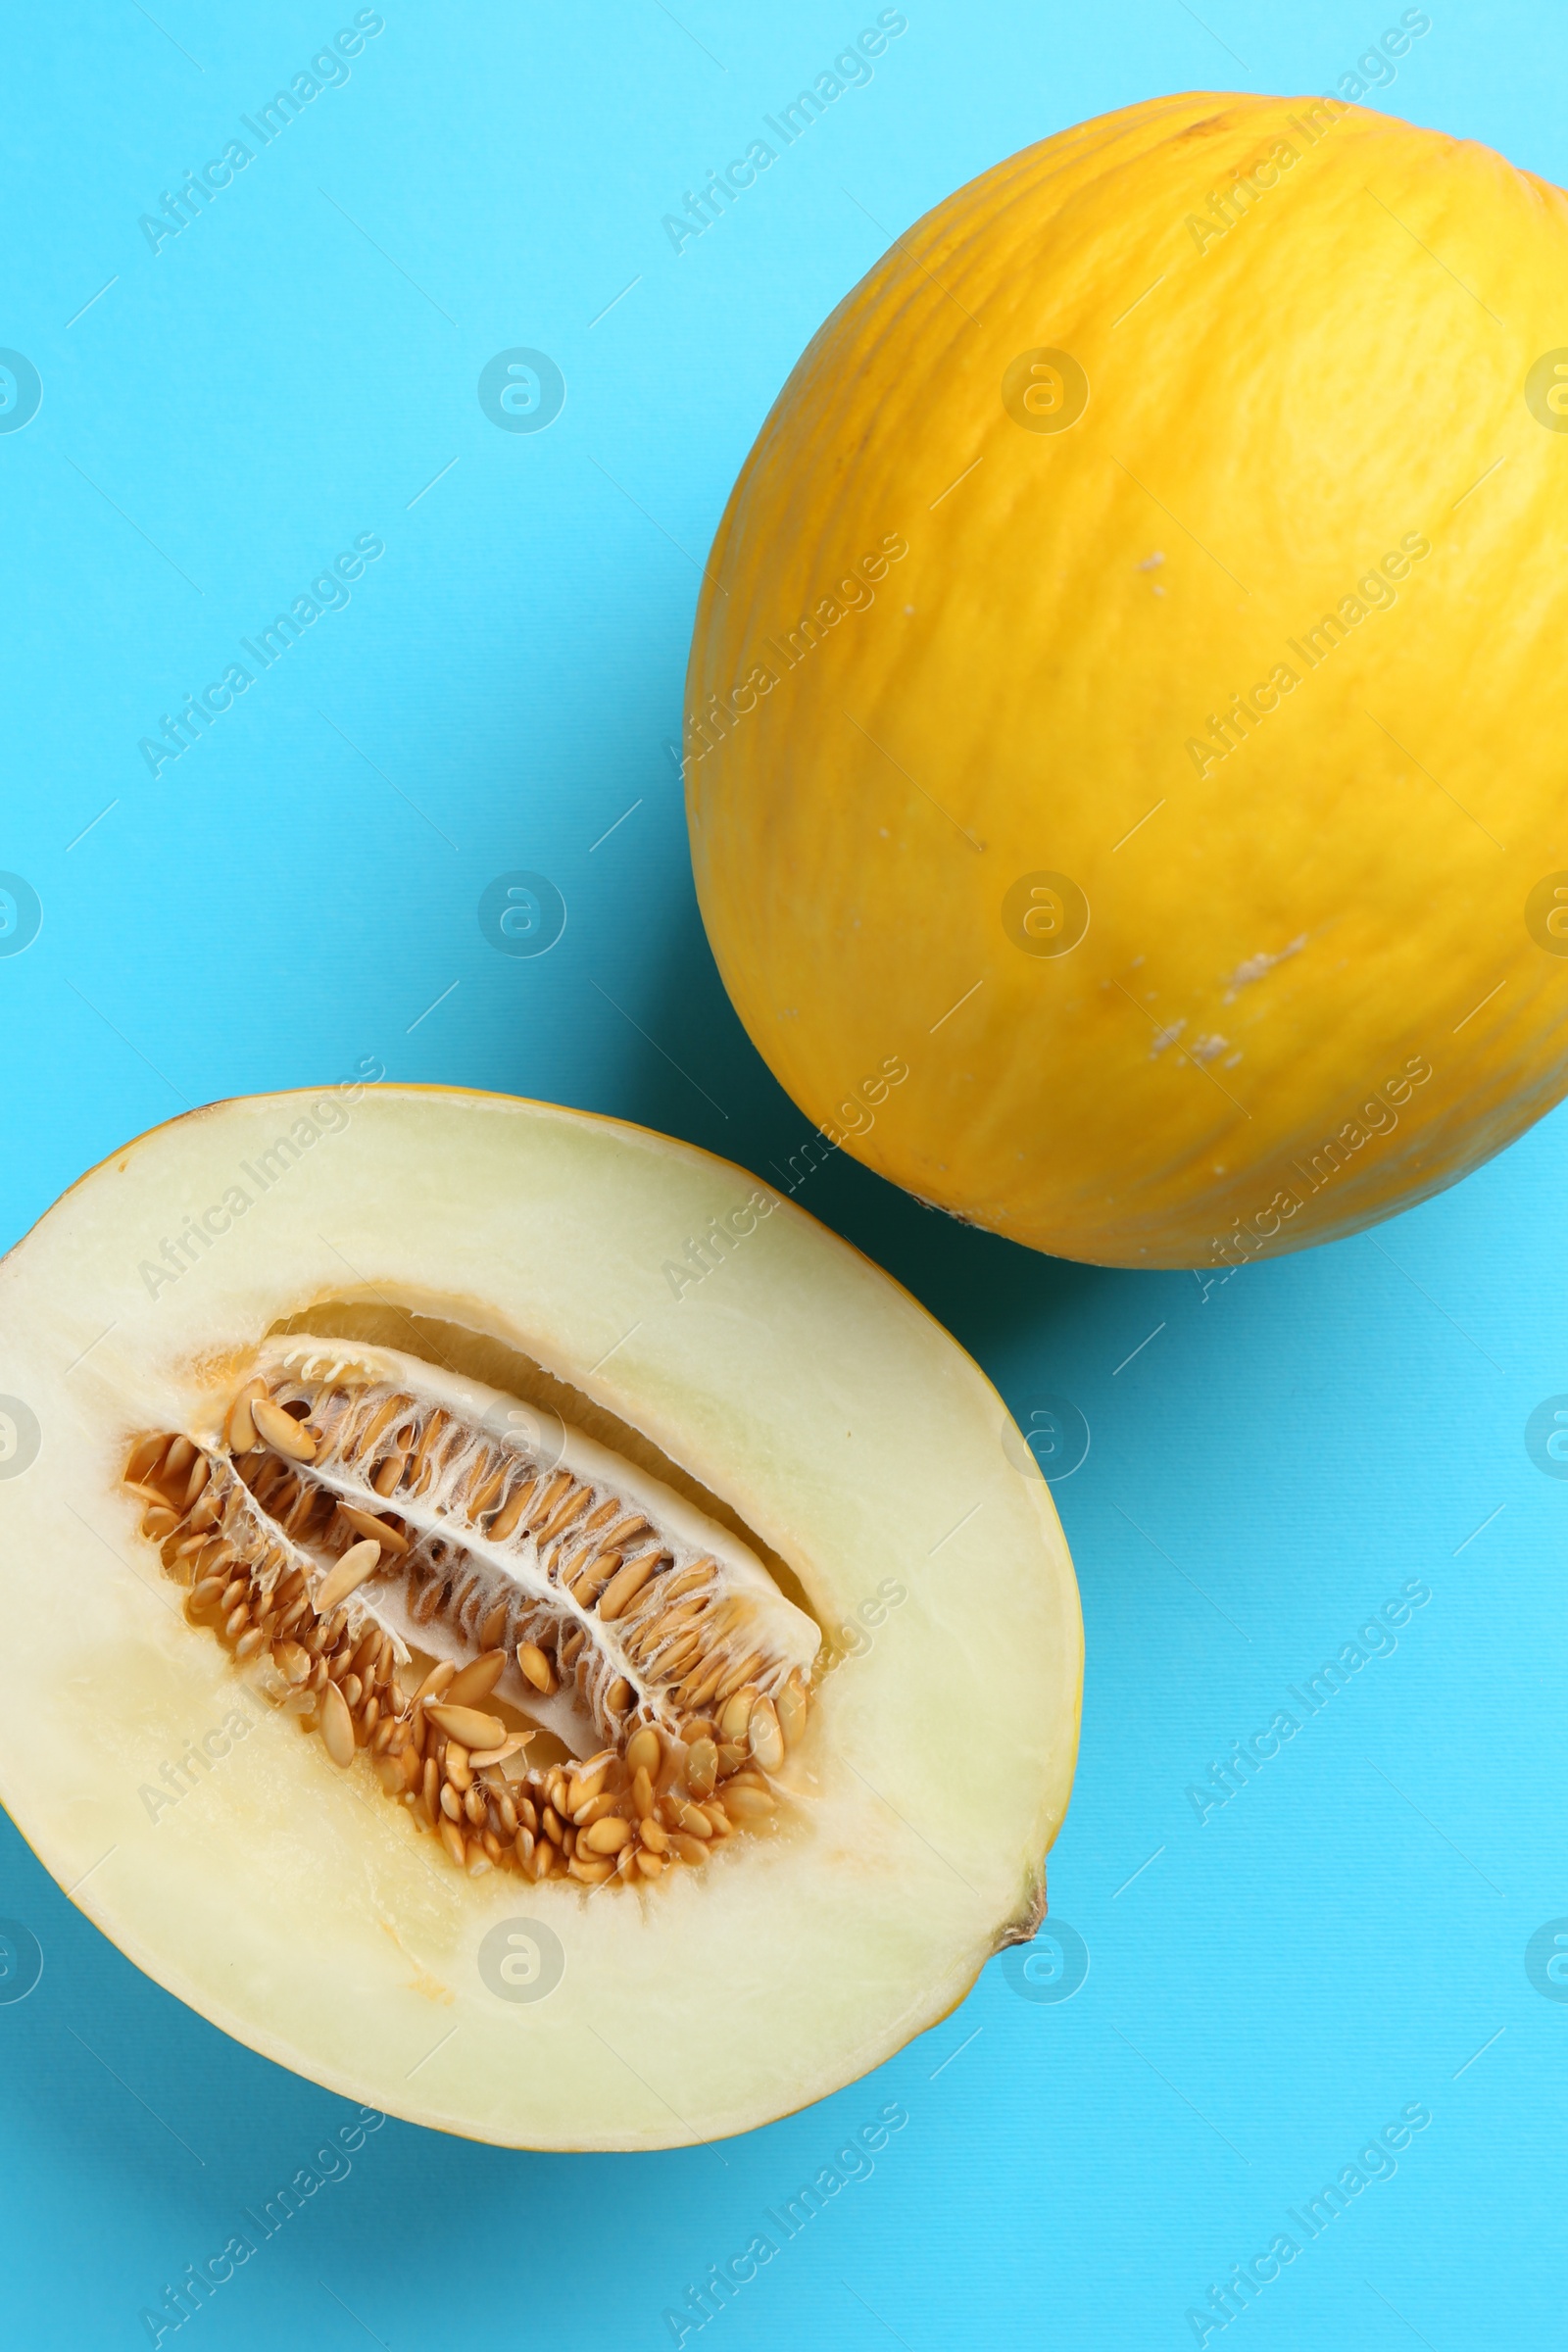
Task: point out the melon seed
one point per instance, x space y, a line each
358 1562
607 1837
365 1523
239 1430
737 1713
748 1804
337 1726
624 1584
535 1667
477 1681
281 1431
511 1512
466 1725
511 1745
766 1740
791 1704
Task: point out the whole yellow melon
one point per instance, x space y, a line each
1127 724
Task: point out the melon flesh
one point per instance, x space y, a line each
793 1396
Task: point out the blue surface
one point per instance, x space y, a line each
1342 1943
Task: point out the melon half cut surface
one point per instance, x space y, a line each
510 1618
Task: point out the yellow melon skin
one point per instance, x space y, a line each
1311 369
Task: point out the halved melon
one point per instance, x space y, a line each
512 1620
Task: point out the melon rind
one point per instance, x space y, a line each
293 1905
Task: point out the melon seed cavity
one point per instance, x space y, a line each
441 1598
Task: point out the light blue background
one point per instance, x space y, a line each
299 891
